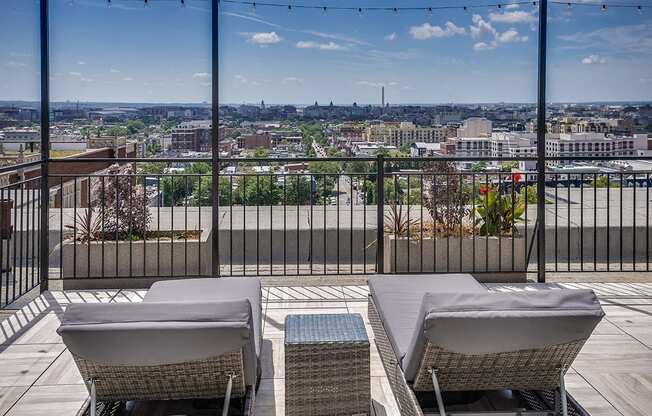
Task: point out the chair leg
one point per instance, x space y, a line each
227 396
93 401
440 401
562 393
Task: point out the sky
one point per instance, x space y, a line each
161 53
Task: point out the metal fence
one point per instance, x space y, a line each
20 230
355 216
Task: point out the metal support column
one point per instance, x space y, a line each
541 143
45 147
380 213
215 138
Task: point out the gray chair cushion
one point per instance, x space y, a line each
159 333
488 323
207 290
398 299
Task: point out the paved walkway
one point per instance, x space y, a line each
612 375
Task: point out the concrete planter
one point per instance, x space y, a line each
455 254
150 258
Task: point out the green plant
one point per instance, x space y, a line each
497 214
87 225
446 197
398 223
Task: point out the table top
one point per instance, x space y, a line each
325 328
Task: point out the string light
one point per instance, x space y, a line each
108 4
183 3
146 3
430 9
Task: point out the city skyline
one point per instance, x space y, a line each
161 53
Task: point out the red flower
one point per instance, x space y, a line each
516 177
484 190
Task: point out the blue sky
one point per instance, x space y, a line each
161 53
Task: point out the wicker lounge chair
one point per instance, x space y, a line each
449 334
188 339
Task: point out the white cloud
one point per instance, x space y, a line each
81 63
325 35
481 27
484 29
593 60
74 74
114 71
15 64
391 37
483 46
517 16
330 46
201 75
427 31
264 38
291 80
241 79
629 38
377 84
127 79
510 36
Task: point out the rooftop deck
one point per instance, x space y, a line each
612 375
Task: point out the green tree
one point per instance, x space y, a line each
297 190
261 152
259 190
175 189
480 166
153 168
508 166
358 166
202 194
115 131
602 181
135 126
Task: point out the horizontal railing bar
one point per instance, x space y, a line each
5 169
337 159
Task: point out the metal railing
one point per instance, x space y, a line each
341 221
20 230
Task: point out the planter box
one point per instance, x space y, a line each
454 254
150 258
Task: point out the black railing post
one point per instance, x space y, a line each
380 213
541 143
45 148
215 139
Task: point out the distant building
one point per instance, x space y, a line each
256 140
193 136
425 149
404 133
365 149
475 127
595 145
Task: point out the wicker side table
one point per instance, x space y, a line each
326 365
